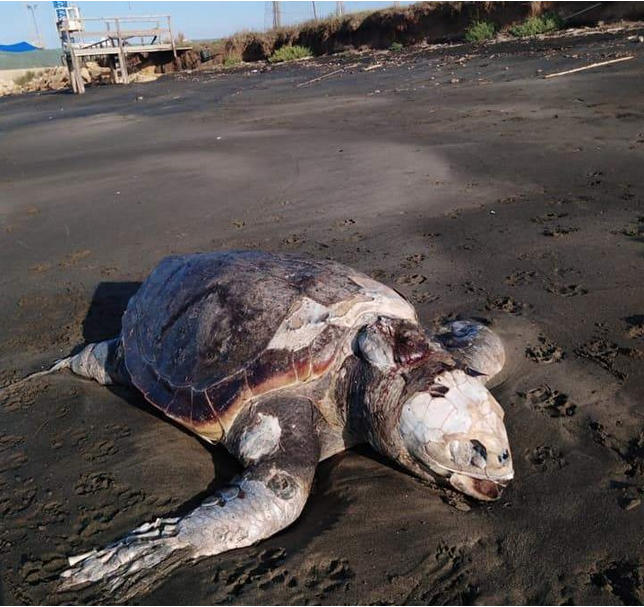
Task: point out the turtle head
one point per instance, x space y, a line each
453 429
442 423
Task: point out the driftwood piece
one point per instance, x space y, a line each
588 67
324 76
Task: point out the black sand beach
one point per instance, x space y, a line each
458 175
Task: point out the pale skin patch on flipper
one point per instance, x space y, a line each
268 496
262 439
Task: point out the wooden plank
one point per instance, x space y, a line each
128 50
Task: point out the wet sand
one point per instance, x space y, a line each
457 175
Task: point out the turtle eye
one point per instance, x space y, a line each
469 453
479 457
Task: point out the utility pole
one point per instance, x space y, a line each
315 12
32 9
277 15
339 9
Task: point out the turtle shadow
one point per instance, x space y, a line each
103 320
105 313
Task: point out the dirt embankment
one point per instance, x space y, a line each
427 22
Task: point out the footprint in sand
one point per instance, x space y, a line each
9 441
595 177
13 461
635 326
73 258
558 231
545 352
262 573
624 579
101 450
345 223
116 501
329 576
39 268
634 229
548 401
520 277
35 571
88 484
410 279
505 304
604 353
565 290
294 241
545 458
547 217
411 261
444 578
630 496
17 500
423 298
51 513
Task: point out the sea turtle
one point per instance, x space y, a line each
287 361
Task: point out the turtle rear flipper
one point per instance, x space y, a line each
276 440
474 345
102 361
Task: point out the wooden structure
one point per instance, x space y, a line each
113 38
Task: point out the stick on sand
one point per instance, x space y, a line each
342 69
588 67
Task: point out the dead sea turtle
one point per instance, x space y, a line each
287 361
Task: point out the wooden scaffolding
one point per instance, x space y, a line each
114 38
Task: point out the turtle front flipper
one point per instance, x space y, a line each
277 442
474 345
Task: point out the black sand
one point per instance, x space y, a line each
458 175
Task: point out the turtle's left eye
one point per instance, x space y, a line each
504 456
479 457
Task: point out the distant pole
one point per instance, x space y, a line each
339 9
315 12
277 15
32 9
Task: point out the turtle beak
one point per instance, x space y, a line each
482 489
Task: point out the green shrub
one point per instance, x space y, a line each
479 31
232 60
289 53
537 25
25 78
396 47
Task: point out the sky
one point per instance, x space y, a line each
197 20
